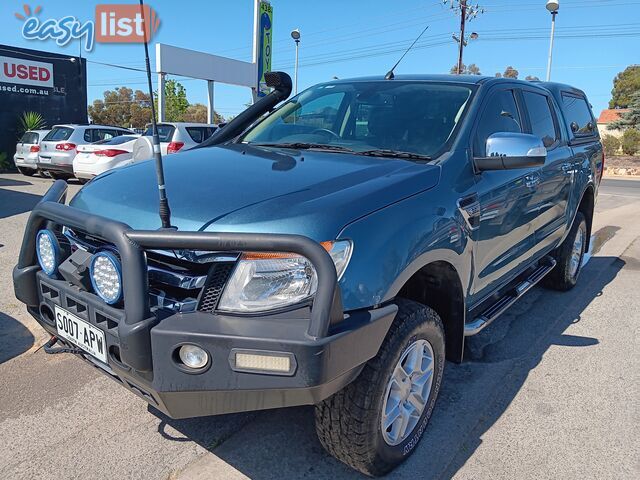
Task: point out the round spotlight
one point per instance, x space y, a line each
193 356
48 251
106 276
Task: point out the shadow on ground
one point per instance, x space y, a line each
13 202
15 338
282 443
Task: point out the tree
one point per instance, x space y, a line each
31 121
472 69
625 85
631 141
510 72
197 112
532 78
175 102
121 107
611 145
630 118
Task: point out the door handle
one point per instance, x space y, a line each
532 181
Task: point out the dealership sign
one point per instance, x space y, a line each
26 72
113 24
264 45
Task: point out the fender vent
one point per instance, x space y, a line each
216 280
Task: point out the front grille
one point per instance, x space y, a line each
216 281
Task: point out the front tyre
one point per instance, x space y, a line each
375 423
569 257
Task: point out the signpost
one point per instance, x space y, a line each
262 47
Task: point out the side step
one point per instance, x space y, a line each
495 310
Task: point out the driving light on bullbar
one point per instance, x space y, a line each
106 277
48 251
193 356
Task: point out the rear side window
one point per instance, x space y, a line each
117 140
88 135
540 117
199 134
579 116
58 134
165 132
29 137
499 115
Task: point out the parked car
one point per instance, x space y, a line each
176 136
96 158
332 251
58 147
26 156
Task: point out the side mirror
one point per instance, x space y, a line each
506 151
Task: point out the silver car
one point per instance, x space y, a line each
58 148
26 157
176 136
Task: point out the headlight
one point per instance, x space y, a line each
48 251
106 276
266 281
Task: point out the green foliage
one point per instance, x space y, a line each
197 112
510 72
532 78
611 144
31 121
472 69
625 85
5 164
122 107
176 103
631 118
631 141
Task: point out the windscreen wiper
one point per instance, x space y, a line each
393 154
305 146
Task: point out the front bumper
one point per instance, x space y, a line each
329 347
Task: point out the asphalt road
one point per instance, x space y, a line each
550 390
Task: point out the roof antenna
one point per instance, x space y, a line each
163 207
390 75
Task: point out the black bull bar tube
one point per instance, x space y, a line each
134 333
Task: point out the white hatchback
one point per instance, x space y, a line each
97 158
176 136
26 157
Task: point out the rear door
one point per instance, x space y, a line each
505 231
551 195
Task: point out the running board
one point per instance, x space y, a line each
495 310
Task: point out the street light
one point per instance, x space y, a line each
295 34
552 6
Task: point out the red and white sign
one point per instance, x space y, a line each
26 72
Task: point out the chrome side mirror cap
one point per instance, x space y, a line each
507 150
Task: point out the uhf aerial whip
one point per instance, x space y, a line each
164 210
390 75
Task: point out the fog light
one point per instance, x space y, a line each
279 363
193 356
106 276
48 251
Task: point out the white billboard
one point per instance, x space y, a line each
26 72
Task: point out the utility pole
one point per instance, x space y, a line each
463 21
467 13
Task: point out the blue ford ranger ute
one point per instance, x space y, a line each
333 250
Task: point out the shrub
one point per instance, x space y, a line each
631 141
5 163
611 144
31 121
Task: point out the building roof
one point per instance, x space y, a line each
611 115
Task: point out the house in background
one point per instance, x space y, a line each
607 117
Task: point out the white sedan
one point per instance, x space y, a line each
97 158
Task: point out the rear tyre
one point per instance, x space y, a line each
27 172
83 180
569 256
375 422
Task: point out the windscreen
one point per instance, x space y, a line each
416 117
58 134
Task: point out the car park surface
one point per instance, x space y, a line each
548 391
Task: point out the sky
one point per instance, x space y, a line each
595 39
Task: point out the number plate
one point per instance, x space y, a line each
45 159
81 334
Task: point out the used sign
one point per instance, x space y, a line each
26 72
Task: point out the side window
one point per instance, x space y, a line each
196 133
499 115
579 116
541 118
88 135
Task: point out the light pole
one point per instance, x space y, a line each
295 34
552 6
